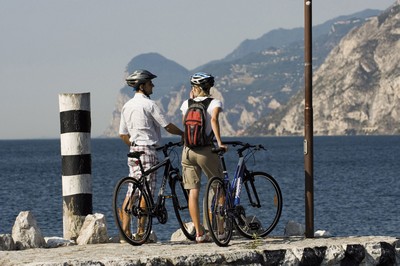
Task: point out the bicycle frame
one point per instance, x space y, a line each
234 186
169 170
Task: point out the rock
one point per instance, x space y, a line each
94 230
356 89
322 233
178 235
26 233
152 238
294 229
55 242
6 242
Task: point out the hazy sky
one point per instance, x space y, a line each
48 47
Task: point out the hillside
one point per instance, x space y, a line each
356 90
255 80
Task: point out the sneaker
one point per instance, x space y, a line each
204 238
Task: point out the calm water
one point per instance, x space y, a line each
356 182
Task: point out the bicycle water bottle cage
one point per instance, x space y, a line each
135 154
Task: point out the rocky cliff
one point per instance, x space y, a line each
257 81
355 91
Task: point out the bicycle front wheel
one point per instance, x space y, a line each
181 207
261 201
218 212
131 207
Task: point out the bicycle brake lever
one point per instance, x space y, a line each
218 150
261 147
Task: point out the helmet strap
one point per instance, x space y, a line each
142 91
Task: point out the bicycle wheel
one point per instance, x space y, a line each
180 198
217 208
261 201
132 211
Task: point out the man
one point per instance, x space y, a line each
140 128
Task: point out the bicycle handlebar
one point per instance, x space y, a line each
244 147
169 145
164 148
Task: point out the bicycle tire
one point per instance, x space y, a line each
180 200
217 207
260 220
133 212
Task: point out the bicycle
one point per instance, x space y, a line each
135 208
254 213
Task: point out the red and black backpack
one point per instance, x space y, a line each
195 124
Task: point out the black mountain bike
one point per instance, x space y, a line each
251 202
135 208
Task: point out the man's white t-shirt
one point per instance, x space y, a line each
142 119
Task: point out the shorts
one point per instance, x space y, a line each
149 158
196 161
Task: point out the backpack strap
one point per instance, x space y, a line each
206 102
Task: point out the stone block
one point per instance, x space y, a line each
94 230
178 235
55 242
294 229
6 242
26 233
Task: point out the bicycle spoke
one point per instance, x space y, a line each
261 203
131 212
181 208
217 206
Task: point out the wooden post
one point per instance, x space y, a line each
75 124
308 122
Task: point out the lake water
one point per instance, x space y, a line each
356 182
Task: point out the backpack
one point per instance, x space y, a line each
194 124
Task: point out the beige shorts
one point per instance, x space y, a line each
196 161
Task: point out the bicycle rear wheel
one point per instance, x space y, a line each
131 207
217 207
261 199
181 207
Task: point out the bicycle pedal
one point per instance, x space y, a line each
240 222
254 226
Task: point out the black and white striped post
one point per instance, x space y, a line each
75 124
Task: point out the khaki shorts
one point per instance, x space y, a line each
196 161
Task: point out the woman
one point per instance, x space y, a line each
196 160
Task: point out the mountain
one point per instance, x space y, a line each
355 91
167 71
255 80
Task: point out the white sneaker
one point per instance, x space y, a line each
204 238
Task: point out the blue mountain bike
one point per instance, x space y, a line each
251 202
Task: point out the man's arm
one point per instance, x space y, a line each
171 128
125 138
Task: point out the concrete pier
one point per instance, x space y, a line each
364 250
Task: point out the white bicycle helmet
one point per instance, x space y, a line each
138 77
202 79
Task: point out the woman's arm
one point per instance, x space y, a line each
215 127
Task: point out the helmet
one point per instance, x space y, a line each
138 77
201 79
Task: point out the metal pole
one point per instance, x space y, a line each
76 161
308 119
